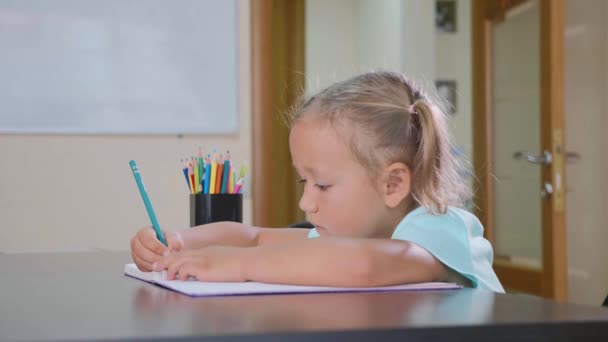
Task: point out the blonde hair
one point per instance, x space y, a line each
393 120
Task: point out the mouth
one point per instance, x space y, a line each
318 228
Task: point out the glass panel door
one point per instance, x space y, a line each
515 63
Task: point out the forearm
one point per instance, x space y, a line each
219 233
341 262
238 234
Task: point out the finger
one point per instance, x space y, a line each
184 272
144 253
142 264
147 256
132 253
190 270
149 240
164 261
174 265
175 241
134 258
172 272
174 269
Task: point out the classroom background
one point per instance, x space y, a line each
74 191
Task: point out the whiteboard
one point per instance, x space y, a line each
118 66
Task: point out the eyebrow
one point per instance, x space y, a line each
307 169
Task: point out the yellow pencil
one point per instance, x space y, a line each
231 180
213 174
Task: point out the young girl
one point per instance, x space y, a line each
380 187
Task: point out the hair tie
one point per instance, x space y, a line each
411 109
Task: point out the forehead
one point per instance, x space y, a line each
316 144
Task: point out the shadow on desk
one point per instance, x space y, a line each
311 310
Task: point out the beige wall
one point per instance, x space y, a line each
586 126
77 193
327 61
453 62
419 41
388 34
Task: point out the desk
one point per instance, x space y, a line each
85 296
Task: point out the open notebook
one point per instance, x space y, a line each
198 288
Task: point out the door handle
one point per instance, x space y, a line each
546 190
546 158
572 157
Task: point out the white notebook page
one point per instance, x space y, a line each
197 288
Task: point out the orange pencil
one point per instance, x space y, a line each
218 179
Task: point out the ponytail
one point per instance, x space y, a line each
438 182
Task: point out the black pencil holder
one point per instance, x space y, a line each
208 208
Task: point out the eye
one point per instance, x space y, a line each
322 187
301 181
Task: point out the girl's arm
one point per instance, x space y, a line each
146 250
343 262
237 234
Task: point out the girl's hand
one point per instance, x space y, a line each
146 249
214 263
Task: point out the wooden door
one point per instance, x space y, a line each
518 149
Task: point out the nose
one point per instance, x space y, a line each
307 202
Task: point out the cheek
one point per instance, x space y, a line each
354 212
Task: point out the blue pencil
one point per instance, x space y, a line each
185 169
201 171
207 175
144 196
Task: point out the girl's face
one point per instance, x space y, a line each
339 197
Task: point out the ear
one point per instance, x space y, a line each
396 185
